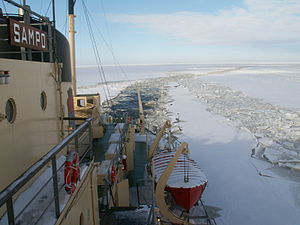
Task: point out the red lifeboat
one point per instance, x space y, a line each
187 181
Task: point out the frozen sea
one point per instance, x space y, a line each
244 190
229 113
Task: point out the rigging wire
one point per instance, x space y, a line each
66 20
41 6
106 24
109 45
110 48
48 8
4 7
96 53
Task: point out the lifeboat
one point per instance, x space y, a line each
187 181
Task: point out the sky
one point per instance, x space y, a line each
177 31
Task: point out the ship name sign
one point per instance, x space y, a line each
24 35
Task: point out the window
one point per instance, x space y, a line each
43 100
10 110
80 102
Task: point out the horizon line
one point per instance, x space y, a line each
192 63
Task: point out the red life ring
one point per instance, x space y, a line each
72 171
113 174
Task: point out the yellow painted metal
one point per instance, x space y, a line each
160 188
98 132
141 121
130 146
72 51
123 193
87 106
159 135
103 172
83 202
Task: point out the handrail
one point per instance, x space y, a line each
16 185
28 10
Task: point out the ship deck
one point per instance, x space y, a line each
141 193
140 185
100 145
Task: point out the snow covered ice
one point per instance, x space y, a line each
280 125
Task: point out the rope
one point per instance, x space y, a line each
96 52
106 25
48 8
111 50
97 56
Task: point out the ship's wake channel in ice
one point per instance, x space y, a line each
277 129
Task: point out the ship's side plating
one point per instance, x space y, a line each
34 130
38 89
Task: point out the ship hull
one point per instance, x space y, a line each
186 197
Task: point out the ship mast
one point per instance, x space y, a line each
72 44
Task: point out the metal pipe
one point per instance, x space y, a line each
55 187
138 194
71 6
10 211
72 52
91 141
53 13
75 118
72 32
76 144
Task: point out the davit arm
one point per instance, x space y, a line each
157 139
160 188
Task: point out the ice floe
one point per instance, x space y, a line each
279 125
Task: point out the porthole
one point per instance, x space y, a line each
10 110
43 100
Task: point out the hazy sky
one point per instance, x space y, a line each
185 31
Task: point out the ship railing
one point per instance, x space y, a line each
104 200
28 10
9 194
151 216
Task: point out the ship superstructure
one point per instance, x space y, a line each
37 127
